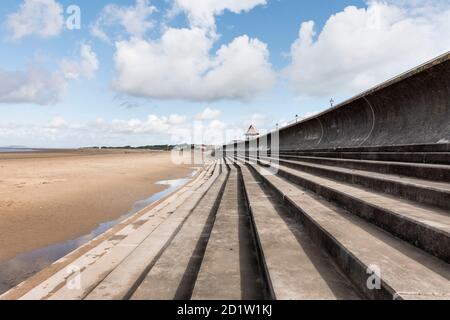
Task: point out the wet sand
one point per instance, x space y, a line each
52 197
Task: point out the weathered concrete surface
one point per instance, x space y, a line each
174 274
434 193
121 282
402 156
296 268
423 226
229 270
434 172
411 109
355 194
357 246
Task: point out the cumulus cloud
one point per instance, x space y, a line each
43 18
85 67
176 119
58 122
208 114
134 19
153 124
257 119
44 87
34 85
157 129
201 13
360 47
179 66
172 128
217 124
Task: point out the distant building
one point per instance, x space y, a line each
251 133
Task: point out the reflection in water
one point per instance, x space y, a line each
23 266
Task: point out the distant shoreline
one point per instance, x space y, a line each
14 150
163 147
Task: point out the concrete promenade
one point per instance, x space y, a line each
353 203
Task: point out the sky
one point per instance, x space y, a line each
77 73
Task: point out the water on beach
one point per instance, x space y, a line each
23 266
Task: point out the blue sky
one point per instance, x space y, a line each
148 72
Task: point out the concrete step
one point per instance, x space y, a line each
364 252
123 280
419 190
295 268
413 157
96 272
418 170
425 227
99 261
174 274
229 269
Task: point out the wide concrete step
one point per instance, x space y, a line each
295 267
379 264
121 282
418 170
174 274
425 227
413 157
419 190
229 269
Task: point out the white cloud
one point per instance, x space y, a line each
58 122
173 128
258 120
176 119
208 114
217 124
179 66
134 19
85 67
44 87
167 128
360 47
31 86
153 124
201 13
153 129
43 18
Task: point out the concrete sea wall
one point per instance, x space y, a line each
411 109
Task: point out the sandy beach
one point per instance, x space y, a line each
49 197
